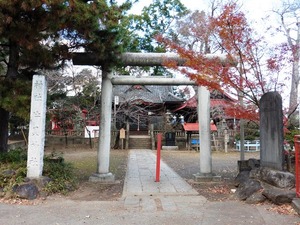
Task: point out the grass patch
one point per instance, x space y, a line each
118 163
85 163
84 167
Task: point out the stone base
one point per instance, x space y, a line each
206 177
296 205
41 181
247 165
103 178
169 147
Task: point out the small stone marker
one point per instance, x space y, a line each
271 131
36 138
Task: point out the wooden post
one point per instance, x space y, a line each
152 136
226 139
127 136
122 136
159 137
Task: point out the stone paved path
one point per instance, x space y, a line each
141 174
142 193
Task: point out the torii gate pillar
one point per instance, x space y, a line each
203 110
103 174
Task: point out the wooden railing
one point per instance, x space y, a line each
231 133
249 145
178 133
64 133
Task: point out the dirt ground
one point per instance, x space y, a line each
185 163
85 163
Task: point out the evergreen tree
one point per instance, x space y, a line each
38 35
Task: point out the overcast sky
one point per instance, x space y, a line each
255 10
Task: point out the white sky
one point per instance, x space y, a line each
255 10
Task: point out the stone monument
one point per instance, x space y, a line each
36 140
271 131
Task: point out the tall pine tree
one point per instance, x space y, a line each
41 34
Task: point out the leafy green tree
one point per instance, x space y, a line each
68 109
38 35
158 18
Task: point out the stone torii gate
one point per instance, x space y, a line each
145 59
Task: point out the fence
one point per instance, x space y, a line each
64 133
178 133
249 145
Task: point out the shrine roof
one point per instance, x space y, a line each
195 127
146 93
217 99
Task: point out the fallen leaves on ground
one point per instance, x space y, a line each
285 209
219 190
19 201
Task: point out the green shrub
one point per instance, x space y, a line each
13 169
62 175
289 136
14 156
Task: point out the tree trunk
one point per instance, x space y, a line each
295 70
12 69
294 87
4 115
12 72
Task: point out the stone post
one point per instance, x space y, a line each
103 174
205 173
36 140
271 131
204 130
226 140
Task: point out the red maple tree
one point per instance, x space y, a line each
247 73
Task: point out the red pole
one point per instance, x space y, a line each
159 137
297 163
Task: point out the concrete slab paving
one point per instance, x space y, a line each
296 204
141 175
